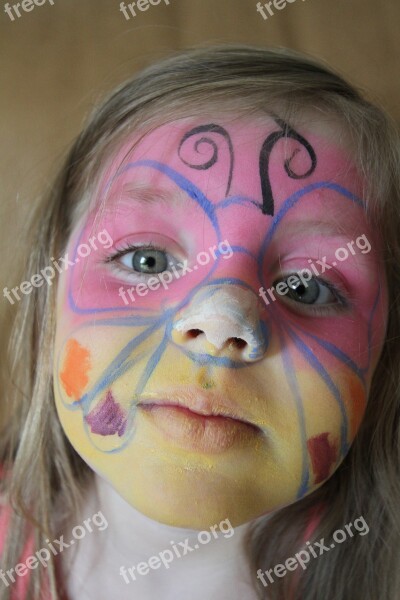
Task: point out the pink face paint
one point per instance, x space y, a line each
128 217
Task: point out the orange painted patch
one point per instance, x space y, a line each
74 376
357 405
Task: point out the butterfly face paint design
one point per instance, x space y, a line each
198 401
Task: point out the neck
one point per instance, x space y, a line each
136 555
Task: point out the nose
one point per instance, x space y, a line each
224 320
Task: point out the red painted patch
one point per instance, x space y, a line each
358 403
323 456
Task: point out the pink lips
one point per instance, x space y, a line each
199 422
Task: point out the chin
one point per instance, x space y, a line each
196 500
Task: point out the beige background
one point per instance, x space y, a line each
56 61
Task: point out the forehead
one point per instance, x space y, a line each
260 162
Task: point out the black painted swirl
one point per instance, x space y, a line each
265 154
209 128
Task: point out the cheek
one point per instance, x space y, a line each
333 393
93 380
74 370
332 417
311 416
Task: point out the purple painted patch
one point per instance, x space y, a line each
107 418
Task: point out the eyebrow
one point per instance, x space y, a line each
328 228
141 193
146 194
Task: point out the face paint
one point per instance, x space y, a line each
323 456
198 393
74 376
107 418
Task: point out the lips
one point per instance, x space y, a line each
199 422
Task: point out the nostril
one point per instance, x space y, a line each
194 333
220 342
239 343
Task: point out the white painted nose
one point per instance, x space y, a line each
225 317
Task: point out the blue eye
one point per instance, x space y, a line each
148 261
314 292
314 296
140 261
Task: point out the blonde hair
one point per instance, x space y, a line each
46 479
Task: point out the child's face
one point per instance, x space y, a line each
207 392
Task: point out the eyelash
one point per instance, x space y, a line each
132 247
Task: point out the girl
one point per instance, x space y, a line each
206 350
